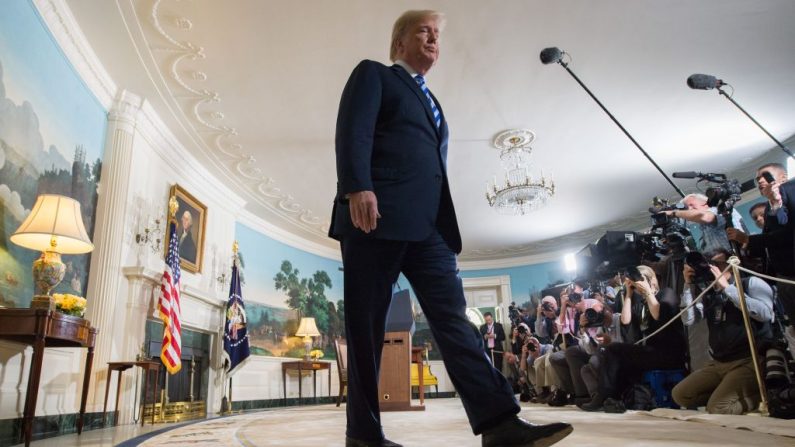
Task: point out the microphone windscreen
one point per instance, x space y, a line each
702 82
687 174
551 55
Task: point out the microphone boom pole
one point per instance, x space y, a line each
779 143
566 66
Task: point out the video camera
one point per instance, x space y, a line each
668 234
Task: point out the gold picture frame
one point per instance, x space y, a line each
193 214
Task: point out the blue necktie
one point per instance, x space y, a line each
436 116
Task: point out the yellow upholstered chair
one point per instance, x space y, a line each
428 378
341 348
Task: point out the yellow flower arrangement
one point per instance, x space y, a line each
69 304
316 354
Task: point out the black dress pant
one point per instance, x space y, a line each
371 268
621 365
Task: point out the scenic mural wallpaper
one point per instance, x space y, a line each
282 285
52 133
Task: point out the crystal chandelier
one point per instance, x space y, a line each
521 193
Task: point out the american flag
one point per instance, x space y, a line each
168 305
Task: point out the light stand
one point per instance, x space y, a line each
550 55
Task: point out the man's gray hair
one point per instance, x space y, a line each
697 196
404 23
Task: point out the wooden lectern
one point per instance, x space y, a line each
394 383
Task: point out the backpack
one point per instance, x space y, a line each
639 397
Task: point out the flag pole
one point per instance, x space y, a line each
235 248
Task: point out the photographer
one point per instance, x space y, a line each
568 363
776 243
533 362
727 384
711 223
591 342
647 308
546 313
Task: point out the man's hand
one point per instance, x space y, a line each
773 195
737 235
688 273
364 210
603 339
722 283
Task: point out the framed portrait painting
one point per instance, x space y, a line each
191 218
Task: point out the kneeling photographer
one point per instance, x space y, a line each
726 384
645 310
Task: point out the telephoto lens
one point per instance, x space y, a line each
775 367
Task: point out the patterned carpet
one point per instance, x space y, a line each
444 424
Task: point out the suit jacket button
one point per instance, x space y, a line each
438 177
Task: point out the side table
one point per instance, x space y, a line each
42 328
120 367
301 366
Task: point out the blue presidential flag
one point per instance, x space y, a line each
236 348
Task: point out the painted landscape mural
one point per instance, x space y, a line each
52 131
282 285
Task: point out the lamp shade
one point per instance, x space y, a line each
54 218
307 328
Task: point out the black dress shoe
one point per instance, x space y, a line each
516 432
350 442
596 404
559 398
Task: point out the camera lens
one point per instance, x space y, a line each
775 368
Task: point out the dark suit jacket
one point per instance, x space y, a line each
498 331
778 235
387 142
187 248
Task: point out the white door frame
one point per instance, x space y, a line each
502 282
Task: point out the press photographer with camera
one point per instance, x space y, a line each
568 363
647 308
711 222
776 243
726 384
546 314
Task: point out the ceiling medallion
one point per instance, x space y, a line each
521 193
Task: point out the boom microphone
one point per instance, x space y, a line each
688 174
551 55
704 82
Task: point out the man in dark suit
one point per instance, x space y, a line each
393 213
776 244
493 337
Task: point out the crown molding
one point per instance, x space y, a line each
63 27
181 89
329 250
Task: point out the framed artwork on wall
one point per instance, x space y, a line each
191 219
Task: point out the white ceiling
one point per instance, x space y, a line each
251 87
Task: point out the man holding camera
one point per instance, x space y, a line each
776 244
711 223
727 383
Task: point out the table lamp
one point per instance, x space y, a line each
54 226
307 329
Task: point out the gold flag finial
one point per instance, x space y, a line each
235 248
173 206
